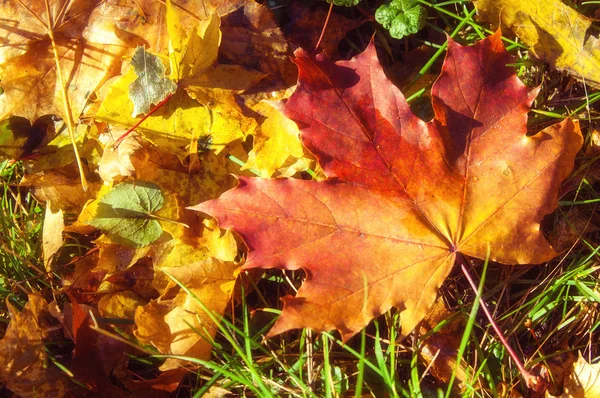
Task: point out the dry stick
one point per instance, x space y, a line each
135 126
324 27
66 104
532 381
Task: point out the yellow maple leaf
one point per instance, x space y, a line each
276 143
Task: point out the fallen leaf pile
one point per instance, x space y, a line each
156 97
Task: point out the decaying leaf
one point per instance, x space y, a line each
151 85
439 349
555 32
61 188
24 363
122 162
95 355
403 196
126 214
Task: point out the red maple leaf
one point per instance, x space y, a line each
402 197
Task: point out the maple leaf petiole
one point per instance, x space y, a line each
135 126
324 26
532 381
66 104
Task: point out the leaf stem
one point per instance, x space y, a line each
324 27
135 126
66 104
154 216
532 381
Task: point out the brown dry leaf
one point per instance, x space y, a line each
570 228
24 367
307 24
252 38
52 234
217 392
582 382
439 350
162 386
61 187
150 326
121 162
95 355
114 257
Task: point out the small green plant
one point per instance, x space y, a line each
345 3
401 17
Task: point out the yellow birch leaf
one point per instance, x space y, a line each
555 32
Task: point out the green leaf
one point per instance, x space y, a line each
151 86
125 214
345 3
401 17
